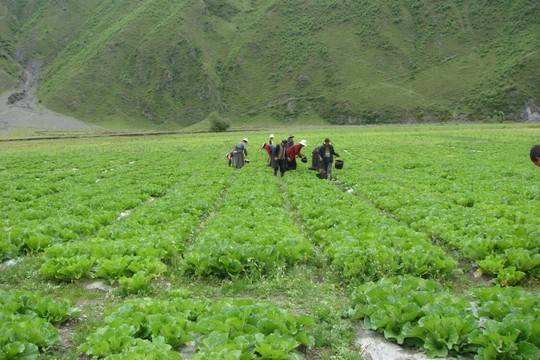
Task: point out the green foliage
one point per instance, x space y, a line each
513 327
409 310
97 230
432 194
138 283
72 268
217 123
168 64
26 323
157 349
408 200
240 241
222 329
362 244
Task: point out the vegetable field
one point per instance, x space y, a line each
153 248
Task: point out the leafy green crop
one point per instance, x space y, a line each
135 249
433 202
493 323
362 243
221 329
26 323
466 192
251 234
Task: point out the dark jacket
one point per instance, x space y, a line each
327 153
280 152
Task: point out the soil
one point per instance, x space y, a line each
375 347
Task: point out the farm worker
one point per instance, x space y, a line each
279 158
239 154
535 155
315 159
290 140
293 152
269 147
327 153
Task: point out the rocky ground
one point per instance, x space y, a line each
20 110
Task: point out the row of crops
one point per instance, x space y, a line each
50 199
140 247
366 244
251 234
154 329
360 242
462 195
490 322
400 237
27 323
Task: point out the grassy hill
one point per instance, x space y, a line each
170 63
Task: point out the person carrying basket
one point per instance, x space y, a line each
326 157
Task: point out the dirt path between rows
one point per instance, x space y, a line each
23 112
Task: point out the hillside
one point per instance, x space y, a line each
170 63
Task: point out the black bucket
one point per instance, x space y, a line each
304 160
339 164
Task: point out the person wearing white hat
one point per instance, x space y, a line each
294 152
239 154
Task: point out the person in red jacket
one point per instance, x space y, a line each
294 152
269 147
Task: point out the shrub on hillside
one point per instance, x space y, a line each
217 122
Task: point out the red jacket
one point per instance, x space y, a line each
294 151
267 148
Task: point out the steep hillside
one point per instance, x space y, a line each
346 61
9 69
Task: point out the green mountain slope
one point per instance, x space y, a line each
9 69
346 61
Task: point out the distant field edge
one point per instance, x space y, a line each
254 129
114 134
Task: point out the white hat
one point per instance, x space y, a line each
271 136
245 140
303 142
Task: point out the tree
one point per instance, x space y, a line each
217 122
